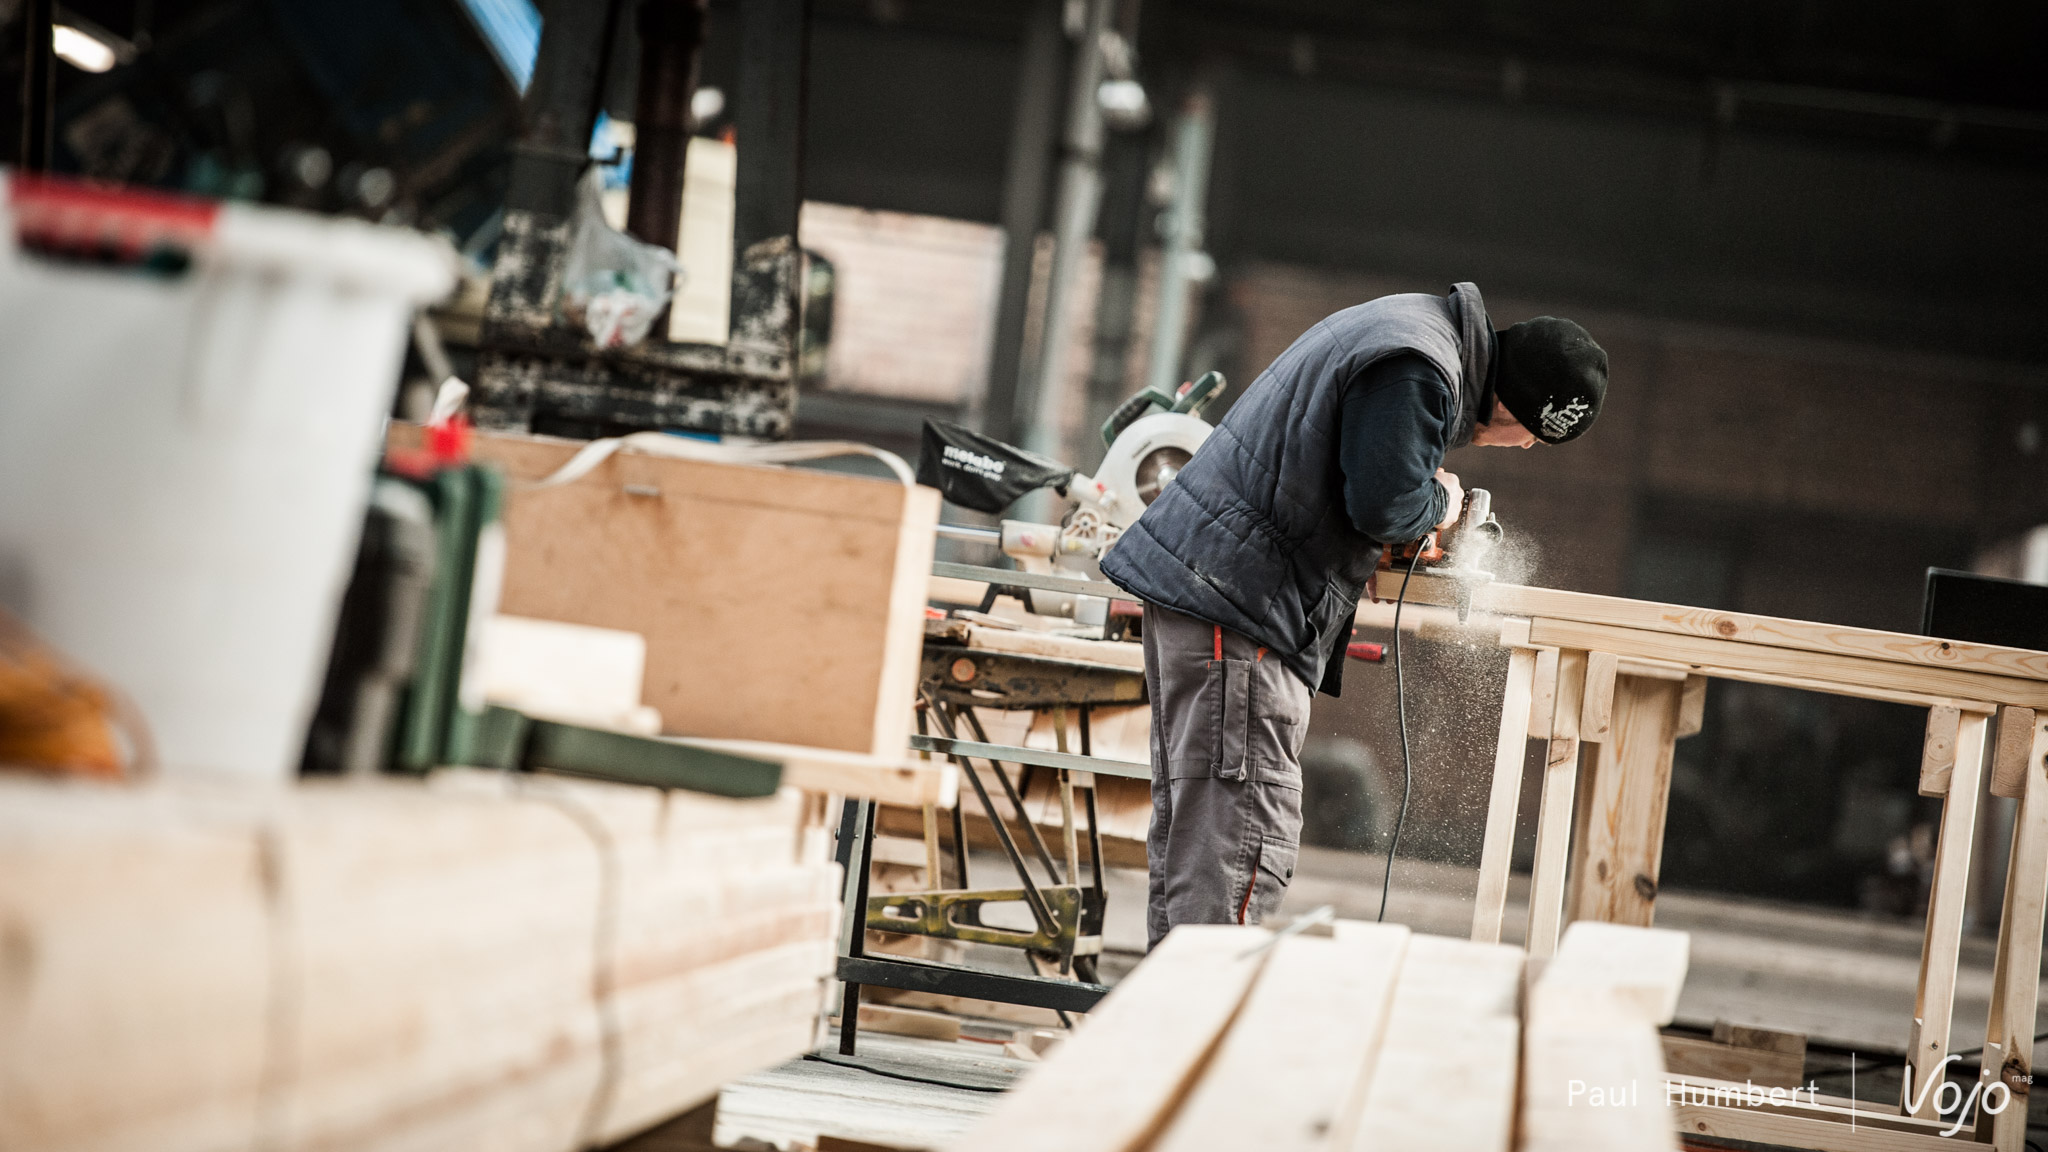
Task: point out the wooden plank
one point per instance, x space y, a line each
1568 705
1593 1062
898 1021
1543 694
953 590
1692 706
779 604
1113 1086
1848 671
2009 1032
1738 1097
1938 750
1496 854
1514 632
1654 669
1670 670
1934 1001
1628 790
2009 758
1301 1050
139 955
1680 620
902 778
1555 812
1596 714
1117 653
397 964
1554 820
1779 1127
1588 1088
1453 1021
1759 1038
1642 968
1696 1056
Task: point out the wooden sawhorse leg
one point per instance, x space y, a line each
1554 816
2009 1034
1497 854
1619 846
1942 943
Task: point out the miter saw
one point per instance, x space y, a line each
1150 437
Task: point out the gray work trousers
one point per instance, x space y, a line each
1227 724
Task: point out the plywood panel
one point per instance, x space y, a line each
779 604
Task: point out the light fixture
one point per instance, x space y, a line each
80 49
705 105
1125 107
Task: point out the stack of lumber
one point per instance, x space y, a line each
1368 1038
473 961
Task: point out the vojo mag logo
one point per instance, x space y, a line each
1990 1098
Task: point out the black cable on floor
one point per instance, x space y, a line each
1401 715
859 1067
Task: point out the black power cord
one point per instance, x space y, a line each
1401 716
870 1068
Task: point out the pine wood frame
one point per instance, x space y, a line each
1628 677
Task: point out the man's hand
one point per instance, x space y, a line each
1454 498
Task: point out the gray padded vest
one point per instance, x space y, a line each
1253 534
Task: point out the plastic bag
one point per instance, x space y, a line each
612 284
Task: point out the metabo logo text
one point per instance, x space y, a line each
986 467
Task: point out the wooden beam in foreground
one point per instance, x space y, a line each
1454 1022
1301 1053
1593 1065
1115 1084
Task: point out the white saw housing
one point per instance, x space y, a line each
1144 459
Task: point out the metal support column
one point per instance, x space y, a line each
671 39
1032 133
1193 135
856 851
562 102
38 84
1080 196
768 119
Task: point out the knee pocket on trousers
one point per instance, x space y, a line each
1272 870
1248 725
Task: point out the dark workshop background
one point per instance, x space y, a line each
1808 232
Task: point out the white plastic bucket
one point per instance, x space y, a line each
184 460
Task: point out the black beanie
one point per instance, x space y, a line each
1552 376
